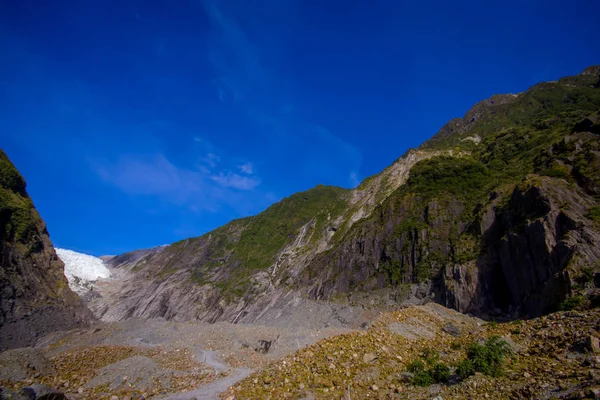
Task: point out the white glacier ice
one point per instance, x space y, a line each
82 270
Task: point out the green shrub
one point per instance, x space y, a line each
437 373
423 378
594 213
441 373
571 303
415 366
488 358
465 368
430 356
557 171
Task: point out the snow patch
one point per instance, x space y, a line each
82 270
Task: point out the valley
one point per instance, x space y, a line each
469 268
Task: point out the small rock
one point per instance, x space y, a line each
80 390
451 329
369 357
435 389
301 386
527 375
114 398
263 346
374 388
593 344
406 376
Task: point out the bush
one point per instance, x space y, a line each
488 358
437 373
557 171
571 303
415 366
594 213
430 356
465 368
423 378
441 373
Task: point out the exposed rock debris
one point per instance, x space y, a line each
553 358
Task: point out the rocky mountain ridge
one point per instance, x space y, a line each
496 215
34 294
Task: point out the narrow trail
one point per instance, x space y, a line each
213 389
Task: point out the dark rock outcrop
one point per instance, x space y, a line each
34 294
33 392
532 249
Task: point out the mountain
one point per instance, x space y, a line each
34 294
496 215
82 270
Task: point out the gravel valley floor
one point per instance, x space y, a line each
156 359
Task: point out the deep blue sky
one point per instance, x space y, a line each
145 122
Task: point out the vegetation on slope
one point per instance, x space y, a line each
270 231
227 257
18 218
444 196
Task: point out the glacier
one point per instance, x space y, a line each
82 270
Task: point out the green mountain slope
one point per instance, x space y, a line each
496 213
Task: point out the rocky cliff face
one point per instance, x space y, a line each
34 294
496 214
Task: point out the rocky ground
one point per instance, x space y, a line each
151 358
556 356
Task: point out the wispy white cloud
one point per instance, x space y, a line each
233 180
247 168
154 175
211 159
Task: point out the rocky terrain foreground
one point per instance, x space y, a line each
555 356
152 359
551 357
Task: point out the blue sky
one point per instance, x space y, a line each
138 123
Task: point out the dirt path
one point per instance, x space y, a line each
212 390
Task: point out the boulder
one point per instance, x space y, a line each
263 346
593 344
451 329
369 357
41 392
